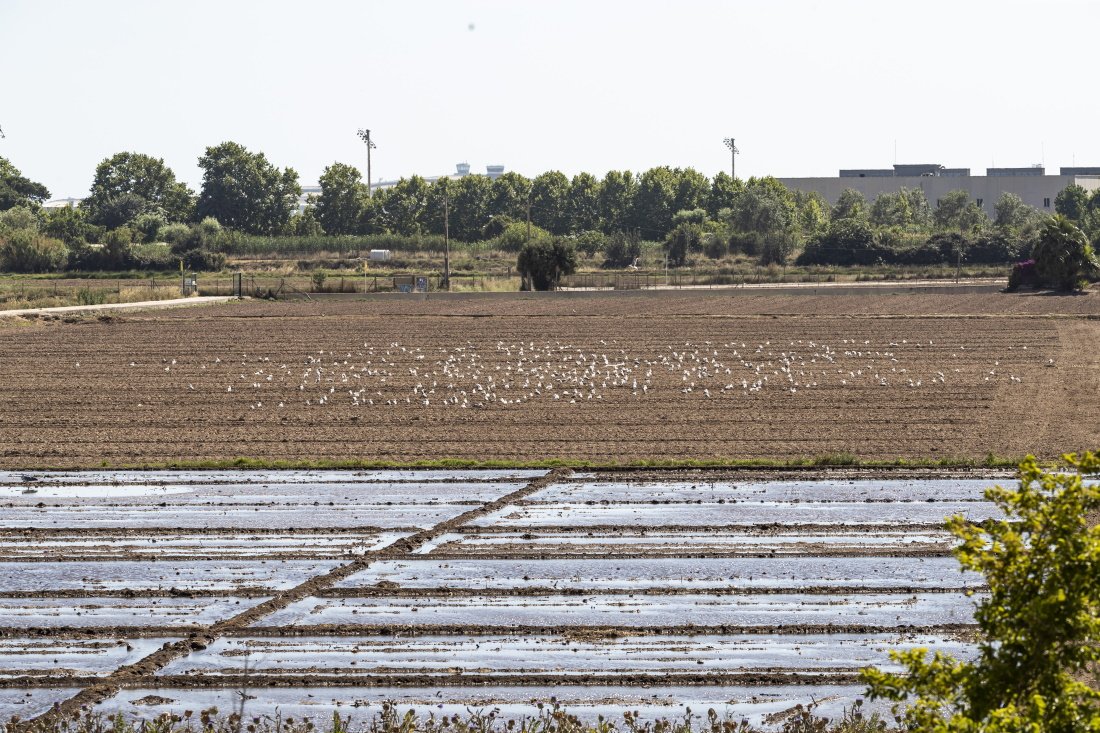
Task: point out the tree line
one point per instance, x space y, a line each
136 198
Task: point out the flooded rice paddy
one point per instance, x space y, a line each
442 590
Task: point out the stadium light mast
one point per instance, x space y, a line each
733 156
364 135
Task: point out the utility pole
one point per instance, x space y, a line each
364 135
528 217
447 241
733 156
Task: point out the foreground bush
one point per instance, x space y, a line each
1039 627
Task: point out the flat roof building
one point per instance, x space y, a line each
1031 184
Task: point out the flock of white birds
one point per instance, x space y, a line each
507 374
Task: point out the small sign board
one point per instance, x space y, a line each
190 284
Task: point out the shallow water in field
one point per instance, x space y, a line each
670 573
770 491
98 612
193 575
496 655
639 610
586 581
262 476
722 515
360 704
71 657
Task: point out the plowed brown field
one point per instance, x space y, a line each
611 378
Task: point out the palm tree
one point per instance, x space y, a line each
1063 255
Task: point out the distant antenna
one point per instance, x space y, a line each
2 135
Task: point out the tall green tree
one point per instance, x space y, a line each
616 200
723 190
339 206
583 210
811 211
469 197
406 206
692 189
509 195
550 202
655 202
1011 213
956 212
128 177
1072 202
851 205
243 191
765 207
18 190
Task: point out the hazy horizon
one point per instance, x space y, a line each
805 87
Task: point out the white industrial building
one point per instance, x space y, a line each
1032 184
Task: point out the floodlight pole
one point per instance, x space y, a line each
733 156
364 135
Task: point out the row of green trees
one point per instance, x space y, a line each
240 189
139 196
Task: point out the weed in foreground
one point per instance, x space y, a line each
550 718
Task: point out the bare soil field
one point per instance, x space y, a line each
607 378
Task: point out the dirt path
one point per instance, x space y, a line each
108 307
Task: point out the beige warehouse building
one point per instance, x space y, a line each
1032 184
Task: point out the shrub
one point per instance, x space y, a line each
71 226
1039 630
174 234
90 296
714 246
25 250
1023 275
514 236
622 249
845 242
686 237
203 260
147 225
496 227
18 217
542 263
590 242
776 247
116 246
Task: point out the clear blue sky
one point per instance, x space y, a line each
805 86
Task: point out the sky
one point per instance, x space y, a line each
806 87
